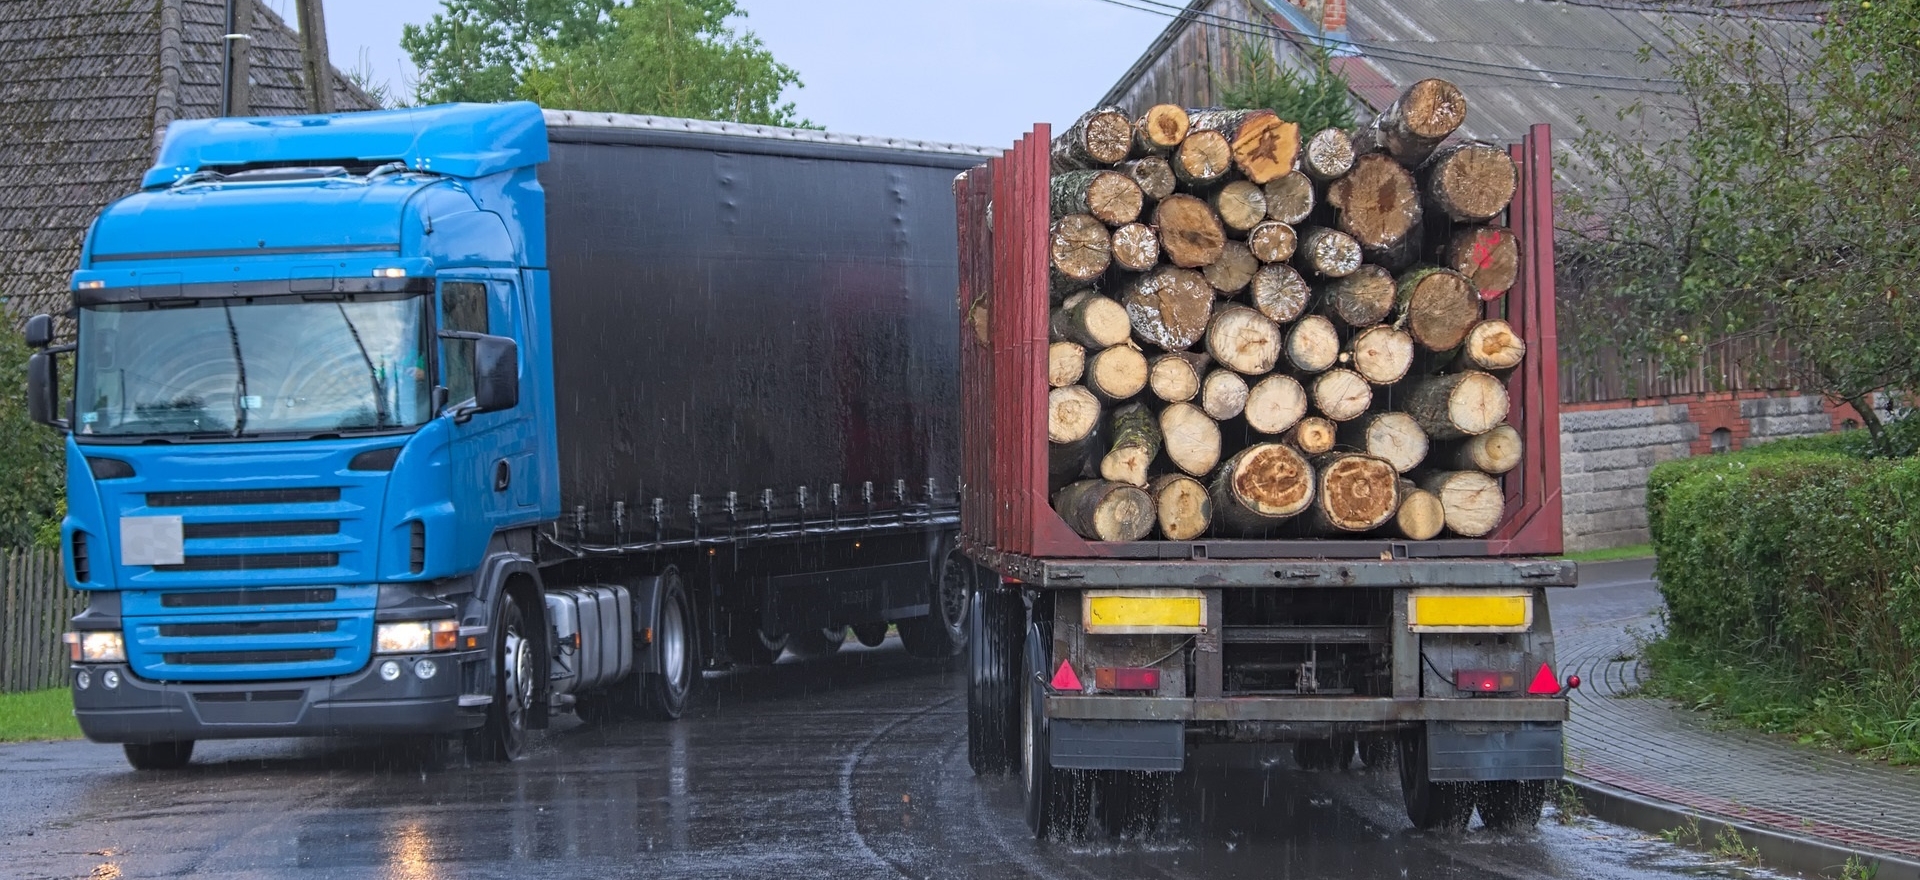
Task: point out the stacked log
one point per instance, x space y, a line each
1262 332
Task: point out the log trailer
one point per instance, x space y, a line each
440 421
1095 665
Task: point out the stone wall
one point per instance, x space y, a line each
1608 449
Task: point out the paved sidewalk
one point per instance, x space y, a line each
1659 751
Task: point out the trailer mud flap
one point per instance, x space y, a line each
1117 745
1473 751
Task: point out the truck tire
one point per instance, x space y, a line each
503 737
1057 800
872 635
995 624
942 632
160 755
1433 806
1512 805
1132 803
812 644
665 691
749 646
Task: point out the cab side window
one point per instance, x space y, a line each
463 307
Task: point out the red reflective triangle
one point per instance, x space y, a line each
1064 678
1544 682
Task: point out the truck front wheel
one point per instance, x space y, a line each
160 755
1431 805
504 735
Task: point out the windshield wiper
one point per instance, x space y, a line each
240 367
380 414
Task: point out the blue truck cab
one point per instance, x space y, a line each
314 463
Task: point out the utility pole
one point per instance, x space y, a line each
313 56
234 101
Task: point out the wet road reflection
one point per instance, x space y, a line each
852 767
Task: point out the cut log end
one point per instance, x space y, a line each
1381 354
1191 235
1328 253
1102 136
1184 509
1356 493
1342 395
1472 182
1495 452
1327 155
1438 306
1109 196
1162 128
1241 205
1135 442
1394 437
1421 516
1117 373
1493 346
1072 414
1361 299
1102 510
1191 438
1080 247
1176 377
1170 307
1378 201
1275 405
1223 395
1136 247
1472 501
1458 405
1262 487
1280 293
1092 320
1066 363
1313 345
1201 159
1313 435
1272 242
1488 255
1234 270
1154 176
1290 198
1243 340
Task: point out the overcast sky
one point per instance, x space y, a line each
964 71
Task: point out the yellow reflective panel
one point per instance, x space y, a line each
1155 611
1509 611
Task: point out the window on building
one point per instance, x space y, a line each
1722 440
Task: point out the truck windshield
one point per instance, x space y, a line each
245 367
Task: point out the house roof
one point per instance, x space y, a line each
1574 64
87 87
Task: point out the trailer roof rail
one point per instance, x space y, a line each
633 121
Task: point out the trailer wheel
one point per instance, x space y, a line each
664 692
871 635
748 645
504 735
1512 805
994 627
160 755
1443 806
1057 800
810 644
1132 803
943 631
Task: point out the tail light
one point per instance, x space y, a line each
1125 678
1485 681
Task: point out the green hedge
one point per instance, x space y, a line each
1792 579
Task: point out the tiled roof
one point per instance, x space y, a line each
86 86
1574 64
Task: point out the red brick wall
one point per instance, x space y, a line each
1710 412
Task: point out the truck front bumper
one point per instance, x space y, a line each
349 705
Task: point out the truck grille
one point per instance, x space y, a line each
248 628
231 497
231 658
288 529
255 562
222 598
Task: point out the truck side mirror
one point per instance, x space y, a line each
496 374
39 331
43 390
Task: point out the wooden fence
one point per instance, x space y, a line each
35 603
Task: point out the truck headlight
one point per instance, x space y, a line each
416 636
97 646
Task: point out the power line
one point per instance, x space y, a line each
1396 52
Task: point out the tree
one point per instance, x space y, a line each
32 471
669 58
1784 210
478 50
1315 97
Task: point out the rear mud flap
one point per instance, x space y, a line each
1117 745
1471 751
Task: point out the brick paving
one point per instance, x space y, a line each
1659 750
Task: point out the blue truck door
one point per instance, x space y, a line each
492 452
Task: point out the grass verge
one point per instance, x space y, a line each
1772 697
37 715
1637 551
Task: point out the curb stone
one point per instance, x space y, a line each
1777 848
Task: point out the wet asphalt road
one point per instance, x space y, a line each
850 767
